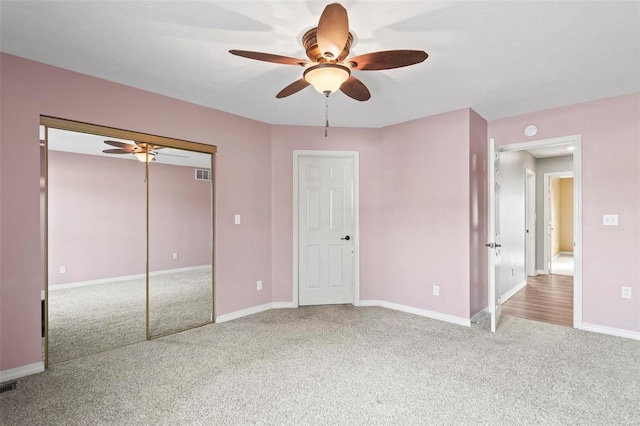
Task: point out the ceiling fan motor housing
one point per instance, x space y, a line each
310 43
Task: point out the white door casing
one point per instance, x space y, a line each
325 216
493 228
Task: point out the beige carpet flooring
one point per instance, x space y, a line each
340 365
91 319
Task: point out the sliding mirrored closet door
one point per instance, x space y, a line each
127 227
180 240
96 245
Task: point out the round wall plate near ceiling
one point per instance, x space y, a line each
530 130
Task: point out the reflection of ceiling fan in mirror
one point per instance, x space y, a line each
139 150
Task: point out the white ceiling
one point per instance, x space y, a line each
552 151
499 58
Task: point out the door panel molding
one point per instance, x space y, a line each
297 154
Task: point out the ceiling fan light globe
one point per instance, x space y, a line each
144 158
327 77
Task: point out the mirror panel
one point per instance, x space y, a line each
180 240
96 248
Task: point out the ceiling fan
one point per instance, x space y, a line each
139 150
328 68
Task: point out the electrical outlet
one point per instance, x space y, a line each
63 269
626 292
175 255
610 219
259 285
436 290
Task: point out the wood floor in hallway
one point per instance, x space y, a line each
546 298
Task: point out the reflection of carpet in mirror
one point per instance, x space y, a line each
179 301
91 319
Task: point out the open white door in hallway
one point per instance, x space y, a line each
530 222
493 179
325 230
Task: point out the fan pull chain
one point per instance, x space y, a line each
326 113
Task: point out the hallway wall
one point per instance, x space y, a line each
511 271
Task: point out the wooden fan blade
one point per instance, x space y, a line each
122 145
268 57
387 60
294 87
117 151
333 30
355 89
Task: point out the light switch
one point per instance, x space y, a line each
610 219
237 219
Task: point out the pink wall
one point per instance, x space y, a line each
29 89
610 130
478 287
286 139
415 201
424 193
97 217
414 190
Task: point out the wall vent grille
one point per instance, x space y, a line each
203 174
8 386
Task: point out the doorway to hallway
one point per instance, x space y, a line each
521 290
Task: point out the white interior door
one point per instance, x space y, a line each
493 179
530 212
325 230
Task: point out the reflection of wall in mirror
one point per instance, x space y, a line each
566 215
555 216
97 218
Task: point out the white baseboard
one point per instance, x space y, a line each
243 313
513 291
126 277
254 310
25 370
477 317
619 332
560 253
282 305
541 272
417 311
